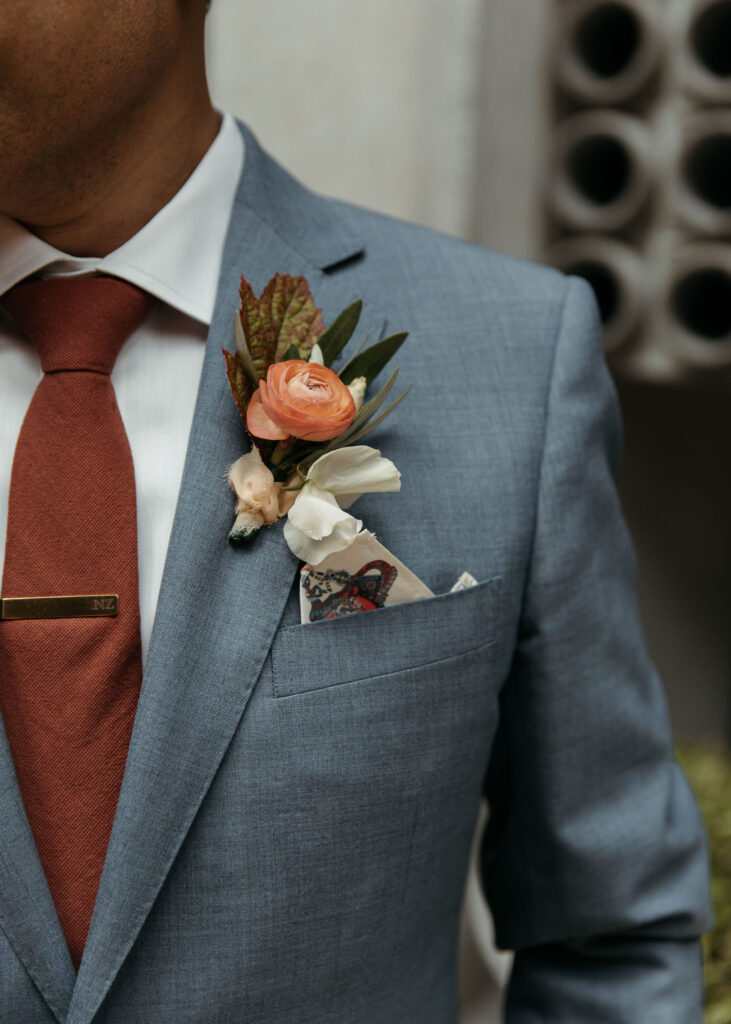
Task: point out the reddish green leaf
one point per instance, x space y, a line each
258 331
239 381
294 316
242 351
285 315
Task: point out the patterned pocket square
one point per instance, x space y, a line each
363 577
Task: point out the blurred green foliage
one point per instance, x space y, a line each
709 771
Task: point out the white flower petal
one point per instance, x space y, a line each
354 471
316 512
316 355
317 527
316 551
346 500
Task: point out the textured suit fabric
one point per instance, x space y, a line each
69 686
294 826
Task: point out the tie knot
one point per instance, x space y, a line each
77 323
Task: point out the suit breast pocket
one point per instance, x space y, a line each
387 641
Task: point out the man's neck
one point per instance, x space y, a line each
118 184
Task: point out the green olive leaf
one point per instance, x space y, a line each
370 362
339 333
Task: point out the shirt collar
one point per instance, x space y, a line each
176 256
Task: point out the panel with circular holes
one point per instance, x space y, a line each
638 190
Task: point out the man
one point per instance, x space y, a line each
292 833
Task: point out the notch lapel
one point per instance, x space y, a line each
27 914
219 605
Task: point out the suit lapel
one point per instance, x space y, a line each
219 605
27 914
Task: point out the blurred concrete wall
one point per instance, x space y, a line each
408 107
373 102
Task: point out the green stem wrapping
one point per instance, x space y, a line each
277 456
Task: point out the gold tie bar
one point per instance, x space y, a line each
78 606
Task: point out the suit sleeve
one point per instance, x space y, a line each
594 861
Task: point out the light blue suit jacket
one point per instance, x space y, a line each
293 830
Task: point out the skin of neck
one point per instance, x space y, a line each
91 195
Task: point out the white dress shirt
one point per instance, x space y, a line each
176 257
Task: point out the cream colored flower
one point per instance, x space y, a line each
257 495
350 472
317 526
357 388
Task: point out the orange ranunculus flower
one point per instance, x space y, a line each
299 399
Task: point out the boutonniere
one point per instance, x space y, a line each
305 419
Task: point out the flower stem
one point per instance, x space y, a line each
277 455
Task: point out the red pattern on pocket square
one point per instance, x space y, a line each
362 591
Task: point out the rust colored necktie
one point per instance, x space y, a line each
69 685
